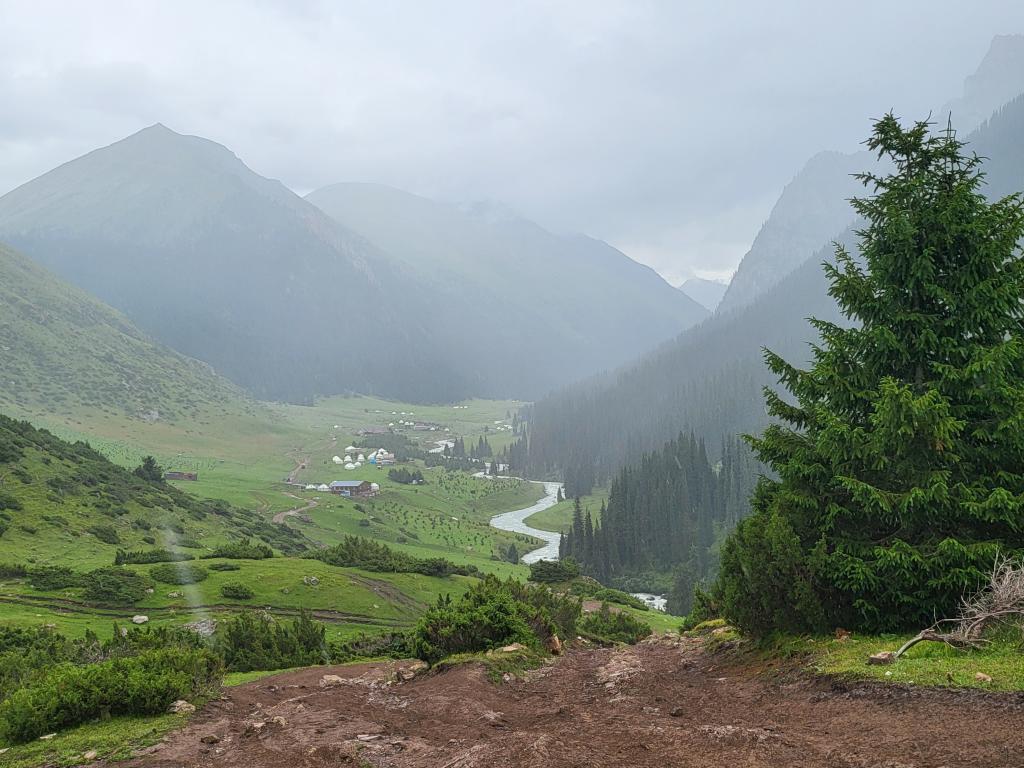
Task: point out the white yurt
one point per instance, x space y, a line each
350 448
348 458
337 460
374 487
310 486
359 464
323 487
350 465
361 458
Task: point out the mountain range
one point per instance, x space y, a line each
385 293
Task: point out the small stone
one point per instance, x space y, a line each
279 721
254 728
676 712
555 645
330 681
368 736
174 594
883 657
889 673
210 738
91 755
512 648
182 707
140 619
47 737
981 677
406 675
150 590
842 635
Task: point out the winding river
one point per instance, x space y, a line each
514 522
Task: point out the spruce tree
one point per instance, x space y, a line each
899 454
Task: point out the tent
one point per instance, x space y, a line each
337 460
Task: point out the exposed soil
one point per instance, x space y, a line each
280 516
661 703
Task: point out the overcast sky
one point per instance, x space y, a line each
666 128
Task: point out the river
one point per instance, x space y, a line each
514 522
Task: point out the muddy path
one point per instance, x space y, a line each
280 516
661 703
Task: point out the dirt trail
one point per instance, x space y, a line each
662 703
280 516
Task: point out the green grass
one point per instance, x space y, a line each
559 516
929 664
114 739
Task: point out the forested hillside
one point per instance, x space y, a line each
666 513
709 379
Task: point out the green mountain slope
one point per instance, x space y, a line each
62 350
231 268
63 503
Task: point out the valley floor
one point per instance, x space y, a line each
665 702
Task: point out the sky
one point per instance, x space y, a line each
666 128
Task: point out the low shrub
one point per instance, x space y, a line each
553 571
115 586
51 577
13 571
357 552
607 626
391 645
492 614
254 641
70 694
224 567
236 591
105 533
7 501
147 556
243 550
178 573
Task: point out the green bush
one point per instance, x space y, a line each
554 571
357 552
392 645
115 586
147 556
253 641
607 626
105 533
178 573
70 694
51 577
224 567
13 571
243 550
492 614
236 591
7 501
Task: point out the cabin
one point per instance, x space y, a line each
353 488
193 476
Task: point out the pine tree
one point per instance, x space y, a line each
900 454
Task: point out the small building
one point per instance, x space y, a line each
353 488
372 431
181 476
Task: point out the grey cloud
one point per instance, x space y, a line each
666 128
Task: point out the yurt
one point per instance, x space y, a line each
323 487
337 460
350 465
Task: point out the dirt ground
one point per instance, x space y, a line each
662 703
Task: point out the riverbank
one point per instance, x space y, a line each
515 522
